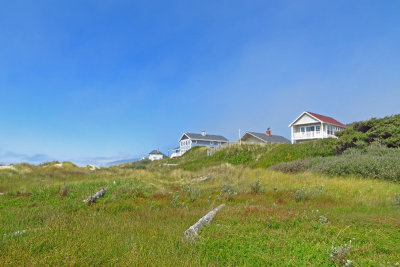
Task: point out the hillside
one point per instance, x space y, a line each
365 149
254 155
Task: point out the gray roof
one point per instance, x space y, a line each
155 152
270 138
208 137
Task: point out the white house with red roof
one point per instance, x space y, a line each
311 126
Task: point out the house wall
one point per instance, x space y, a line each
306 119
155 157
297 128
207 143
326 131
185 146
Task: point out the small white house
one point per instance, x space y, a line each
189 140
156 155
311 126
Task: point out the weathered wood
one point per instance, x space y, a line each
93 198
193 230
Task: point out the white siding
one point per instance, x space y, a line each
305 119
153 157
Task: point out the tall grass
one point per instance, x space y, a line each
142 218
256 155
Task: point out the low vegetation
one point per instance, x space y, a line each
333 202
377 161
255 155
270 218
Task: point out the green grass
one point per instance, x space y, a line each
142 218
255 155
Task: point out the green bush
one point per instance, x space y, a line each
295 166
385 130
377 161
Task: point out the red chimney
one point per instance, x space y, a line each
268 132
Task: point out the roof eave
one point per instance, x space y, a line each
254 136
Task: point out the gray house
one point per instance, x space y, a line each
189 140
252 137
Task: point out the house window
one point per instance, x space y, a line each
302 129
318 128
310 129
211 142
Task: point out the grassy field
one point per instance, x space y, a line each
270 218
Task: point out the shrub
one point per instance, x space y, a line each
256 187
397 199
192 192
305 193
386 130
228 191
300 194
295 166
63 192
377 161
338 255
322 219
175 201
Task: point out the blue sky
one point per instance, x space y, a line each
92 81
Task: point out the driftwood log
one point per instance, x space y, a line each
193 230
93 198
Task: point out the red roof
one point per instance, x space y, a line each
326 119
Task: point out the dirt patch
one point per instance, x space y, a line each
158 196
175 187
21 194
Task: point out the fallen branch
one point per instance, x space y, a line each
203 179
193 230
93 198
